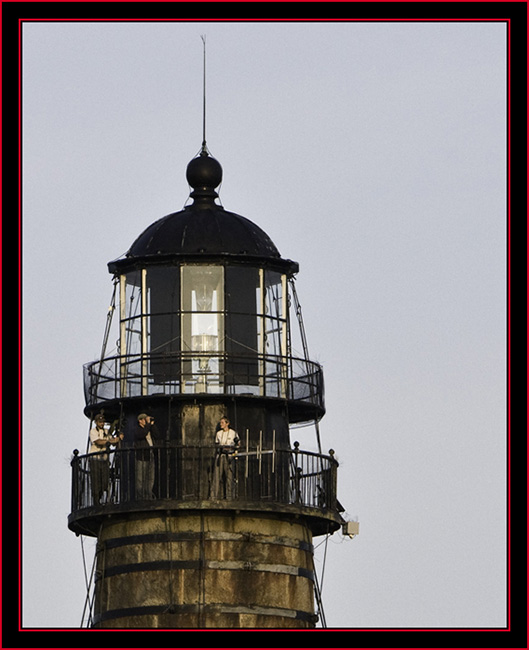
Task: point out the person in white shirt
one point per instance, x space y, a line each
227 442
100 439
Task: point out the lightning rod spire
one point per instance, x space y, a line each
204 148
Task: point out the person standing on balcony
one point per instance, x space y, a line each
227 443
145 435
100 440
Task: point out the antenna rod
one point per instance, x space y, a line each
203 37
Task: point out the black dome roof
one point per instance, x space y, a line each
209 230
204 228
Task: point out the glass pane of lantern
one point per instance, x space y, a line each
130 334
202 327
131 313
163 307
274 318
275 368
242 367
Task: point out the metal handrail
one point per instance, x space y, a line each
190 473
291 378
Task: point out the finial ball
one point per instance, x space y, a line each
204 172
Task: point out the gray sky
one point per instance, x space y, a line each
373 154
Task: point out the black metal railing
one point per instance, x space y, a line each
197 473
137 375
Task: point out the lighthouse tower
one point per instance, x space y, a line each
210 536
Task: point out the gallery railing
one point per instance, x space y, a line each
136 375
161 474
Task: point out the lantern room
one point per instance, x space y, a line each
206 306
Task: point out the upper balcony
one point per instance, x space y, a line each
285 482
185 374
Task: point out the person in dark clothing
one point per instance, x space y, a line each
145 435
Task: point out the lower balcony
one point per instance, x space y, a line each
284 482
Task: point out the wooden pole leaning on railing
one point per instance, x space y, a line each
247 453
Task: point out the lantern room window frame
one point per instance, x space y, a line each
270 316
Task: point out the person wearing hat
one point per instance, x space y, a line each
99 468
145 435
